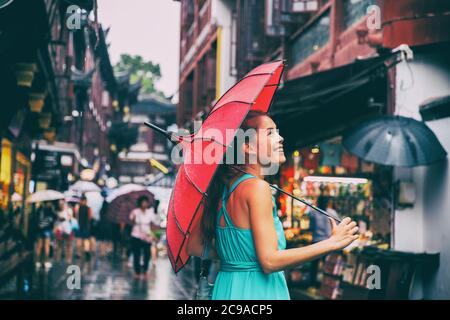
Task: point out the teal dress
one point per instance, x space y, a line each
240 276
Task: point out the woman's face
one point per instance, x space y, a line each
268 145
144 204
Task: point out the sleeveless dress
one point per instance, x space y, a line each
240 276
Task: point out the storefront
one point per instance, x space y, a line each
313 114
55 165
15 171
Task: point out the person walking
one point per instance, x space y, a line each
84 215
241 227
46 217
141 236
64 232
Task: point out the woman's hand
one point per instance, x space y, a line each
343 234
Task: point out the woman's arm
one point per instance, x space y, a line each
259 201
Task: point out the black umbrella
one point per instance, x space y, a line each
394 141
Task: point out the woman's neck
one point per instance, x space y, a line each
254 170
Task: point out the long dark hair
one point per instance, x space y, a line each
224 174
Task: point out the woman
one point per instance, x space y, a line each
241 225
46 220
64 231
141 236
84 215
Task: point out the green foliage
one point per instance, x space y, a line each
146 71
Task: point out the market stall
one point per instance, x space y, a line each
328 176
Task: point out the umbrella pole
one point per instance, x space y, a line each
296 198
175 139
305 202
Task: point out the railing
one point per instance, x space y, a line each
204 15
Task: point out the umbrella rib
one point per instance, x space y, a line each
257 74
195 186
177 223
210 139
234 101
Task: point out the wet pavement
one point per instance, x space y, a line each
108 279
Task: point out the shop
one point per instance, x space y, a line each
313 114
55 165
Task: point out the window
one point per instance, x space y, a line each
305 5
354 10
314 38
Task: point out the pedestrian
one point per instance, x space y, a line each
84 215
46 217
320 229
95 226
240 225
64 232
104 235
141 237
155 232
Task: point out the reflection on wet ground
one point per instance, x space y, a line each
108 279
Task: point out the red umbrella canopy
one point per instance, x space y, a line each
253 92
119 209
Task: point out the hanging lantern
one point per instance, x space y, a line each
115 105
50 135
25 73
36 101
44 120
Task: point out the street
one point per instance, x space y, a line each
109 279
229 131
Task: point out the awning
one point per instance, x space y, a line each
435 108
322 105
80 78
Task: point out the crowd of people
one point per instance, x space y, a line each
68 231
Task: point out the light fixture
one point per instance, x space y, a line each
75 113
315 149
36 101
158 165
45 120
345 180
25 74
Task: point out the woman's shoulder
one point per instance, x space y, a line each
134 211
254 189
255 184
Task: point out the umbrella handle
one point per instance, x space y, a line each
296 198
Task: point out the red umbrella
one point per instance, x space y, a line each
253 92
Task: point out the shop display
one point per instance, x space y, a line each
350 185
